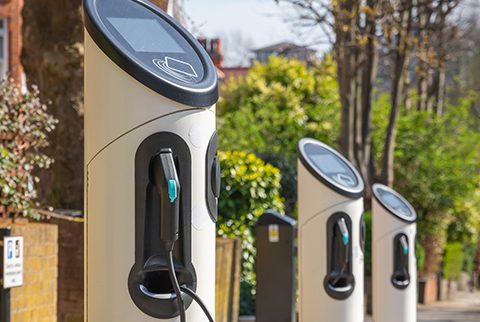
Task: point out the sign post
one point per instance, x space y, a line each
4 292
12 269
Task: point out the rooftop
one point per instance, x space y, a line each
282 47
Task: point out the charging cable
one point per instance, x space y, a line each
200 303
179 289
164 177
176 286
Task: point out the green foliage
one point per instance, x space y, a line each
276 105
249 187
247 298
368 243
464 227
437 167
420 253
24 126
453 261
470 252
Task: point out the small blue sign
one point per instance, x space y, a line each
10 249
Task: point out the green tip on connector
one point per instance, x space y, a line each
405 250
346 239
172 190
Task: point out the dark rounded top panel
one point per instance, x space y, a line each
331 168
394 203
154 49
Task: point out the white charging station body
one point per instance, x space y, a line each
126 105
394 297
329 188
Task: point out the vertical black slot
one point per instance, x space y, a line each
339 282
149 282
212 170
401 254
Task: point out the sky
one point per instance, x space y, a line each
244 25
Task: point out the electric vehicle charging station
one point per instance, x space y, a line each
152 176
331 235
394 267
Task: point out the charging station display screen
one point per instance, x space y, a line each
395 203
327 163
331 166
145 35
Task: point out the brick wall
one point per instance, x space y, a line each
12 10
161 3
36 300
430 289
70 268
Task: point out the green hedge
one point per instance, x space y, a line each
420 253
24 128
249 187
274 106
453 261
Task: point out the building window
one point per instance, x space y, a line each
3 48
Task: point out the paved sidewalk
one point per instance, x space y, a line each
464 308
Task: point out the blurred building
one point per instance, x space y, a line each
214 49
283 49
175 8
286 49
161 3
11 39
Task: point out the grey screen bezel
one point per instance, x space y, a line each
376 187
353 192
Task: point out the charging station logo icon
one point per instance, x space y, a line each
177 69
344 180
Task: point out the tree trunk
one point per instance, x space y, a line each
52 57
439 107
476 267
343 70
390 139
400 63
432 90
345 136
352 100
345 57
433 245
357 69
407 99
358 140
366 164
422 88
422 68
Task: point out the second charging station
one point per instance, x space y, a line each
331 235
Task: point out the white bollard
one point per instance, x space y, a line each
151 167
394 266
331 235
